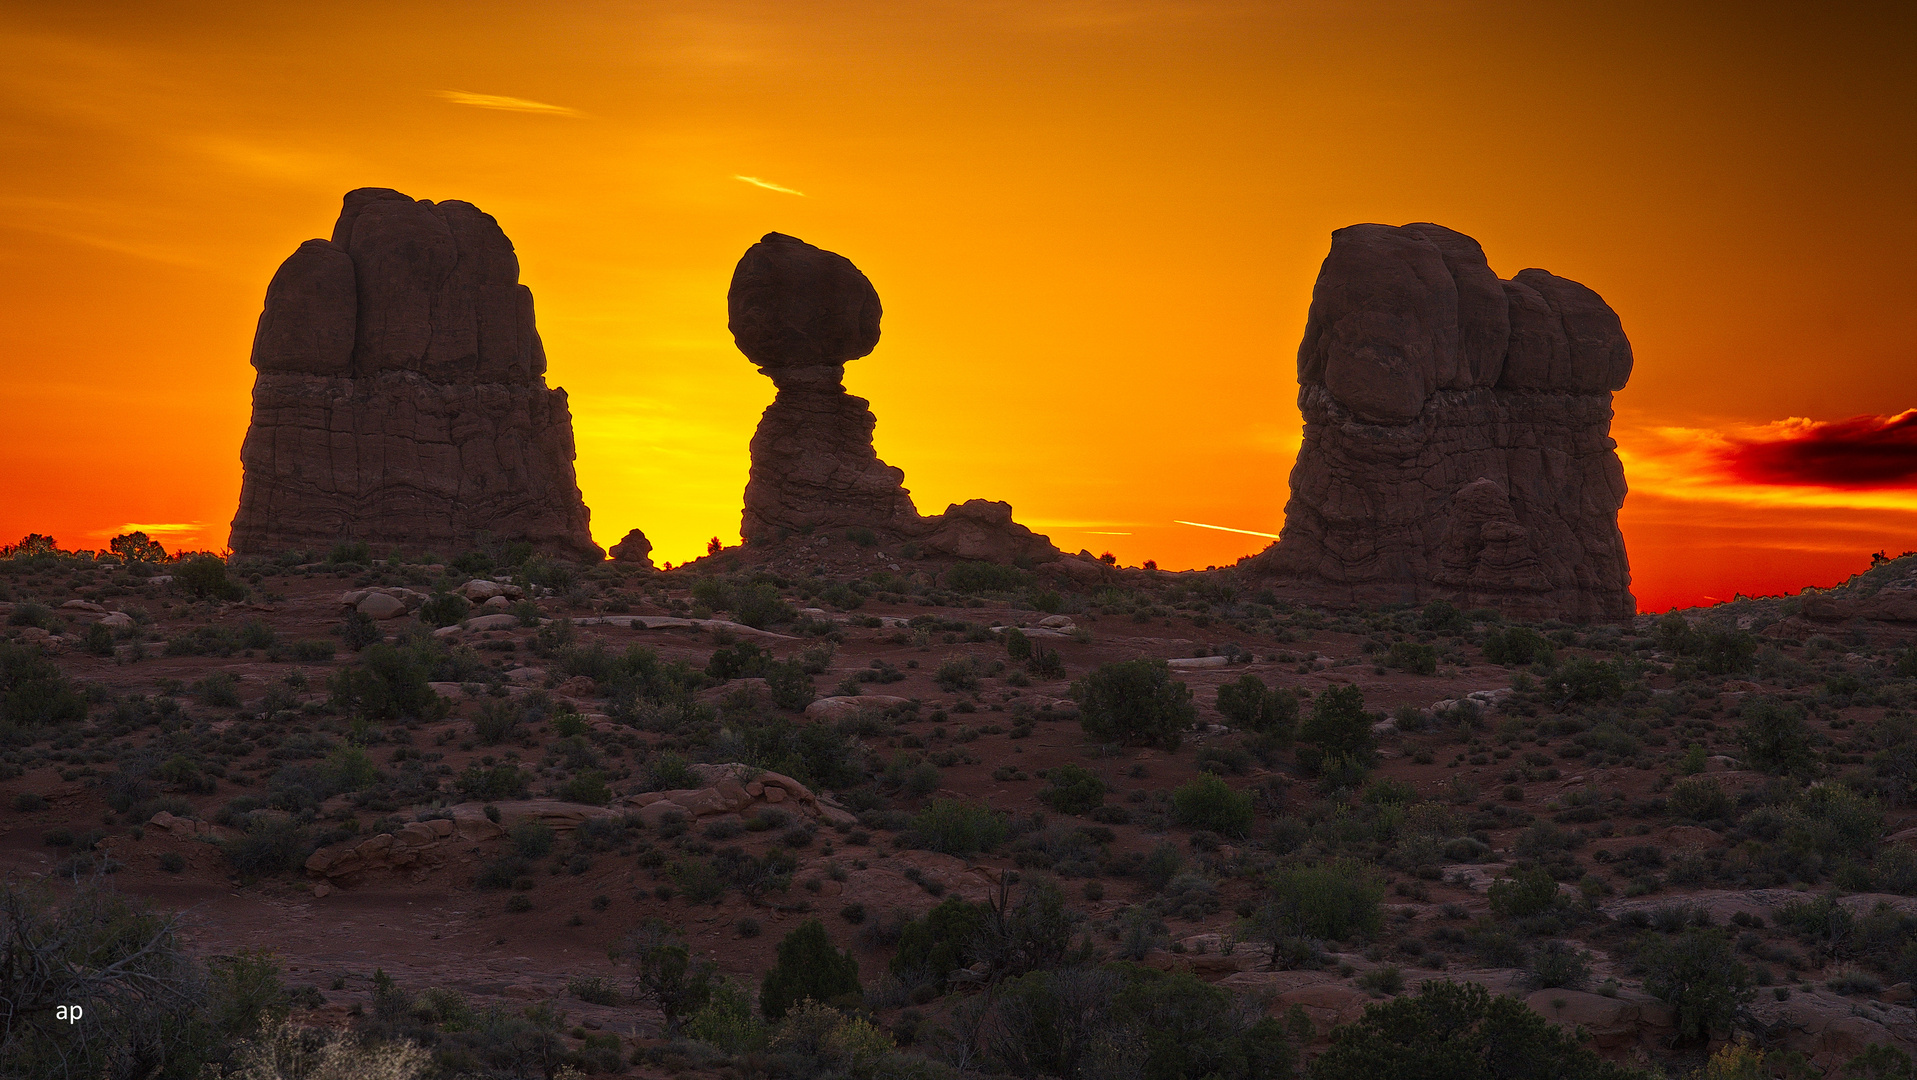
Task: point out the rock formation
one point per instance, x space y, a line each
635 548
801 313
1457 433
401 398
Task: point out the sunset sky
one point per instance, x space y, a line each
1094 227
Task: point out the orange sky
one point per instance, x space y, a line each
1094 226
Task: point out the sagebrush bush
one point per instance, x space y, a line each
1248 703
954 827
1073 789
809 966
1135 702
1209 803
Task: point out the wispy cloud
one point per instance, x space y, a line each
1225 528
506 104
768 185
163 528
1861 452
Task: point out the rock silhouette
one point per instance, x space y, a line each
1457 433
801 314
401 395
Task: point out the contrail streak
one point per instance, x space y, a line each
1225 528
769 186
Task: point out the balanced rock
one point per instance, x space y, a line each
801 313
401 397
1457 434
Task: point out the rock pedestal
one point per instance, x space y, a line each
1457 434
401 397
801 313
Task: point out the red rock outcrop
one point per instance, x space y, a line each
401 397
801 313
1457 434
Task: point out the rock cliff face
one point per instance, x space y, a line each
400 396
801 313
1457 433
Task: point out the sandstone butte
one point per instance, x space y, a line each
401 397
801 314
1457 434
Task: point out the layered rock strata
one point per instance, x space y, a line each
1457 433
401 396
801 314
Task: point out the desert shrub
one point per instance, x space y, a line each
205 577
360 630
33 692
1559 964
1337 734
502 781
345 769
1412 656
1017 645
1135 702
1459 1031
1726 652
1774 736
32 613
956 673
587 787
1387 981
1332 901
1696 974
1700 798
978 577
1879 1061
936 943
348 551
1517 645
759 606
1523 894
389 683
1124 1020
317 651
1209 803
1443 617
97 641
1248 703
954 827
137 547
790 686
727 1021
269 846
531 839
665 973
444 609
1823 821
1585 680
150 1010
1073 789
808 966
219 690
699 880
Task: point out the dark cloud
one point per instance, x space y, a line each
1862 452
